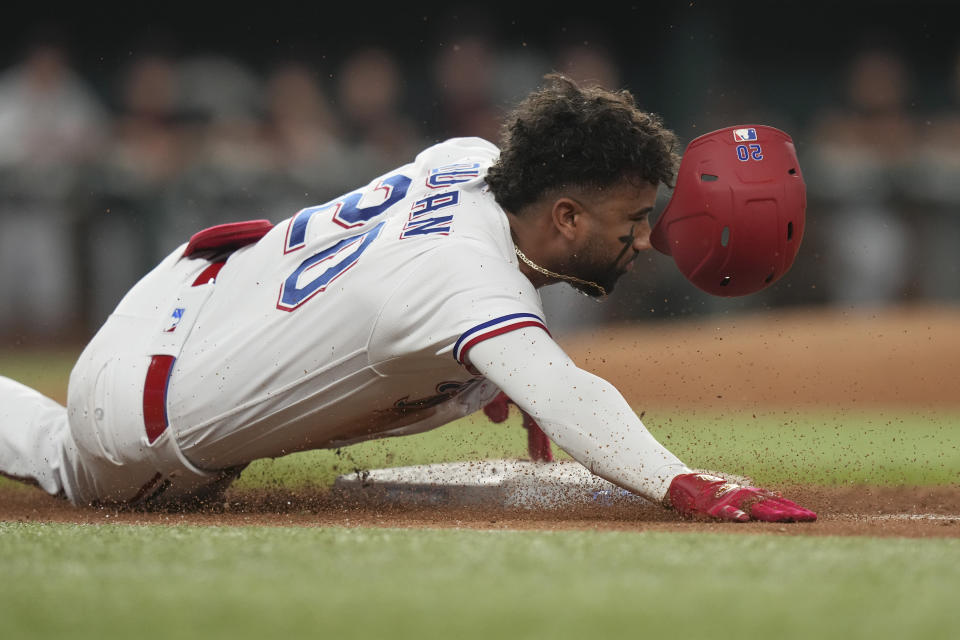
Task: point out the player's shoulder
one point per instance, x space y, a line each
474 269
456 150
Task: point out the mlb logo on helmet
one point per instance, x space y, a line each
744 135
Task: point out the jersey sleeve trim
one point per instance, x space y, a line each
493 328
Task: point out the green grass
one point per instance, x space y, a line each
862 447
194 582
45 369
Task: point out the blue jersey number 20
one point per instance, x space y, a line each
347 212
342 255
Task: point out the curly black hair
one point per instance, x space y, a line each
562 135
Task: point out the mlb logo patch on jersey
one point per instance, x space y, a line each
174 319
745 135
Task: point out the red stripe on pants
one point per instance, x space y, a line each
155 396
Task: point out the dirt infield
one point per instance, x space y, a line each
871 511
903 358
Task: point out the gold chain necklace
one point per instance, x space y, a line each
533 265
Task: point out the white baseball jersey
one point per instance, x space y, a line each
352 319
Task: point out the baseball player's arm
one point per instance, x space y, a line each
589 419
581 413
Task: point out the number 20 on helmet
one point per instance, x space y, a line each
735 220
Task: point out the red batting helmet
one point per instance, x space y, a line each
735 220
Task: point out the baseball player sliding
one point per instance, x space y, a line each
412 302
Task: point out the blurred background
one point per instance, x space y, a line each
125 130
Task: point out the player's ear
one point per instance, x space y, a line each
566 217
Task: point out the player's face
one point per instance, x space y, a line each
618 230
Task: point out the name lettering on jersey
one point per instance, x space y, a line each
418 224
453 174
347 210
340 257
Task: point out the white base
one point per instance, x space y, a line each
500 483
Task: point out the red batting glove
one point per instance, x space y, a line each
698 493
498 409
538 444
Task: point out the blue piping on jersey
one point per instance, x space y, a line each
490 323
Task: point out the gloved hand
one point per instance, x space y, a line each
700 494
498 409
538 444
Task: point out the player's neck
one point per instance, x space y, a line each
528 245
